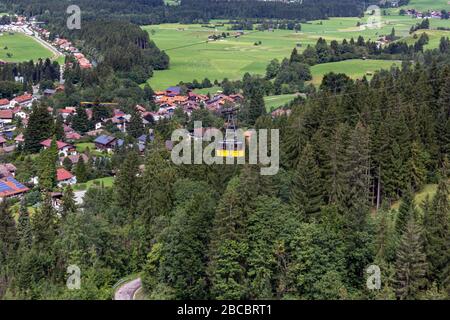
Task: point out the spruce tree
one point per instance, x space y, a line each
256 107
44 224
307 187
8 231
127 184
437 232
411 263
68 202
40 127
81 171
80 121
58 129
406 211
135 128
47 167
357 178
24 231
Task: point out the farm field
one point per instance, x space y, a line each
22 48
434 36
355 69
273 102
425 5
191 57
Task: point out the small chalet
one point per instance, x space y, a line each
105 143
63 148
64 177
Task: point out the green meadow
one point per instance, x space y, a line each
355 69
273 102
21 47
425 5
193 57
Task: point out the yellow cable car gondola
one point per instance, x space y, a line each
231 148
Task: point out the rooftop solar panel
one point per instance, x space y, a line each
16 183
4 187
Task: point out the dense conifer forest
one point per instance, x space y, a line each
348 154
353 155
154 11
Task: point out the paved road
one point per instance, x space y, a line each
127 290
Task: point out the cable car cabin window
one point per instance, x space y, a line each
230 148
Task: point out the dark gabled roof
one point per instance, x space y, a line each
104 140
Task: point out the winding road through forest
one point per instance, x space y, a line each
127 290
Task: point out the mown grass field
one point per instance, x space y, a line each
425 5
191 57
355 69
22 48
273 102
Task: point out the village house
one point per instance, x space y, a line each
65 178
63 147
68 111
10 187
7 170
4 104
74 158
105 143
18 112
19 139
6 117
25 101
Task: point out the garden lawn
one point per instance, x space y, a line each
107 182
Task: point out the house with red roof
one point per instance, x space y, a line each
25 100
6 117
66 112
4 104
64 177
72 136
63 147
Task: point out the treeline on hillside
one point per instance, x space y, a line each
154 11
123 47
323 52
